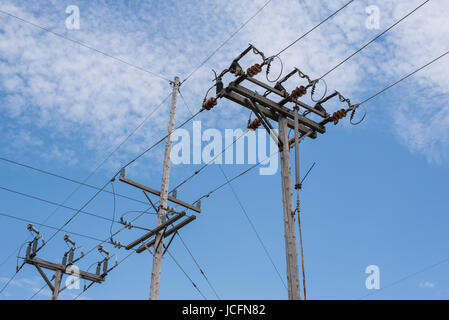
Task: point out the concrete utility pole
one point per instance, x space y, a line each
162 212
289 218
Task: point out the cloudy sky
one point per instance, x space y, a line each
65 107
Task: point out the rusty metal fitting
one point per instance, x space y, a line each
337 115
253 125
255 69
298 186
298 92
209 104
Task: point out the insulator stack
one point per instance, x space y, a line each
117 244
298 92
255 69
340 114
127 224
253 125
209 104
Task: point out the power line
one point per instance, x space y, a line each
84 45
249 220
226 41
161 140
95 170
363 102
107 183
404 78
66 178
39 224
406 278
375 38
207 195
48 226
185 273
252 226
210 162
120 262
101 189
9 281
197 264
312 29
63 206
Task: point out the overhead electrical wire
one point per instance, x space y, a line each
375 38
185 273
404 78
361 103
249 220
253 227
95 170
406 278
45 29
48 226
66 179
61 205
226 41
313 28
197 264
83 45
228 181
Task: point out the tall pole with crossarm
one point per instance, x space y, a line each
162 212
273 105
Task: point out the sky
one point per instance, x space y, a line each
376 195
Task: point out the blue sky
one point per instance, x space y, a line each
376 195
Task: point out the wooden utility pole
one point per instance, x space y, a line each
162 212
58 278
289 220
305 125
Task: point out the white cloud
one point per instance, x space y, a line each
80 103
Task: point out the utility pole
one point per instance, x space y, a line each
307 124
167 216
289 218
65 267
162 212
